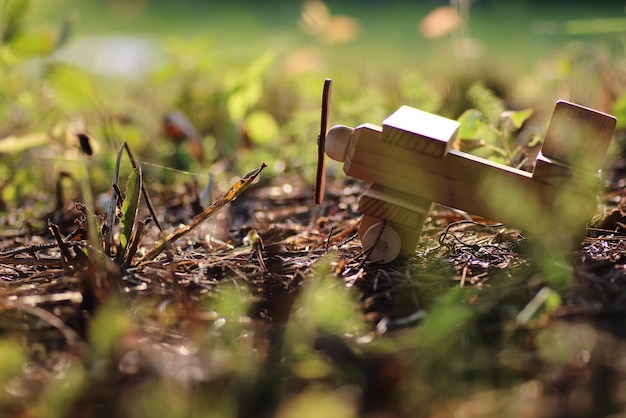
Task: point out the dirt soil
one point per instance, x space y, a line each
49 299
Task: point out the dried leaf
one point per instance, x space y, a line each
341 29
440 22
85 143
110 221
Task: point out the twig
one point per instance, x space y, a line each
47 262
368 251
30 249
66 256
133 245
328 239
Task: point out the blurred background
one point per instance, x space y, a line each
422 35
248 75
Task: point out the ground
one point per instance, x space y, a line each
494 344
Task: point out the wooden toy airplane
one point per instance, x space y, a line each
410 164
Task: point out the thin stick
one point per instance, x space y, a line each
21 261
144 192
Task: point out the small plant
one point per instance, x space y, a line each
489 130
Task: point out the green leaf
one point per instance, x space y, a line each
33 43
262 127
242 99
260 66
11 358
326 306
11 18
534 141
130 206
446 320
486 101
619 110
107 329
246 87
493 157
518 117
472 121
73 88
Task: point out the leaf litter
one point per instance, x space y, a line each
52 290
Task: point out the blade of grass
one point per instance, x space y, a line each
129 211
179 232
116 195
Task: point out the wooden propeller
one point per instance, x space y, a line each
320 177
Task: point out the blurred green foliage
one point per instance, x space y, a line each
11 357
248 105
491 129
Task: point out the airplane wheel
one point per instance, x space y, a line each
385 245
